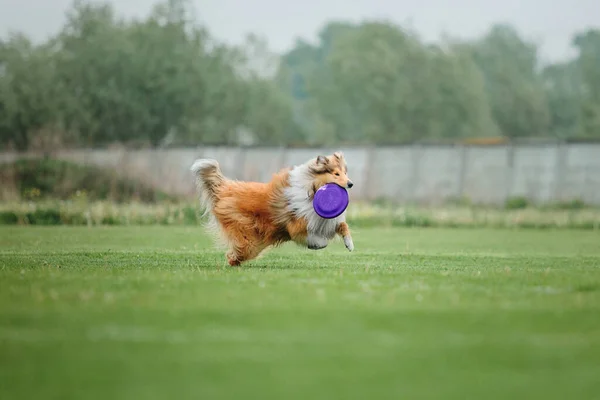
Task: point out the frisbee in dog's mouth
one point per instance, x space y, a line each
330 200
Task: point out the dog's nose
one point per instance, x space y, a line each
350 184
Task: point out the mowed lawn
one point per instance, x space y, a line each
155 313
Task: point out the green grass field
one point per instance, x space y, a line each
154 313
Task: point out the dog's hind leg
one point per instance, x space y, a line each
236 257
244 250
316 242
232 258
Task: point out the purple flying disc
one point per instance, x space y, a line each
330 200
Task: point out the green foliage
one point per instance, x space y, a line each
44 217
516 203
571 215
8 218
164 80
514 89
563 85
157 81
375 83
47 178
588 44
32 102
190 215
576 204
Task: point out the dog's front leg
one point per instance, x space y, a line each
344 231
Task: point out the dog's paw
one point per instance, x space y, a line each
316 243
232 260
349 243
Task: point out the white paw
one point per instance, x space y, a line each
316 242
348 243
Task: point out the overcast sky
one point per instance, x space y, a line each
281 21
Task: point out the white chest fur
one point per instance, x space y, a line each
320 230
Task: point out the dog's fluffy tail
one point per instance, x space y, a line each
208 180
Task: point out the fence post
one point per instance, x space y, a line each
462 171
510 170
283 157
416 152
560 170
240 165
369 190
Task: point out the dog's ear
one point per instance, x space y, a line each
339 155
322 160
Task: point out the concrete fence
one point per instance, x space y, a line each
425 174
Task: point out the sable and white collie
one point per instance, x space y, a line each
252 216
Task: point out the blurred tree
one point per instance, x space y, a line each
94 64
31 100
563 87
302 71
163 80
258 59
588 44
268 115
145 80
157 81
377 83
460 106
295 68
513 85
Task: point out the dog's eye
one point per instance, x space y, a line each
337 174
